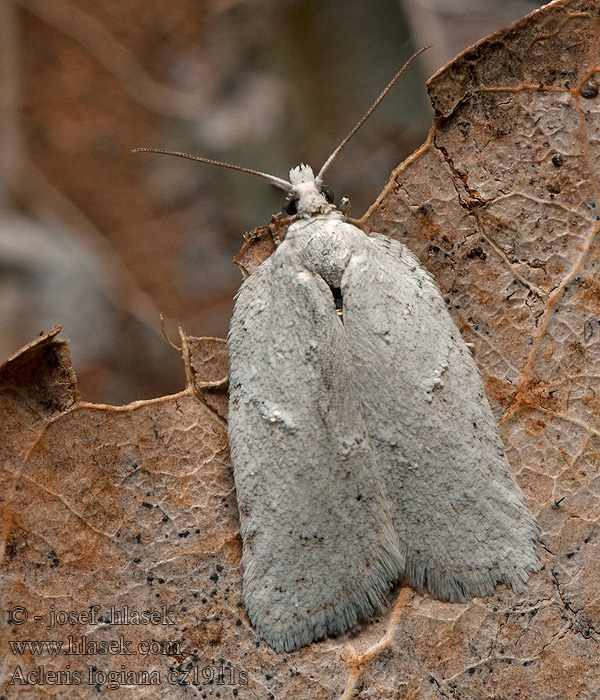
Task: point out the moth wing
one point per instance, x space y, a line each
319 547
460 516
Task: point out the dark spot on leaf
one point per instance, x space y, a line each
588 90
477 252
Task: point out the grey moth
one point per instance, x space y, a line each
364 450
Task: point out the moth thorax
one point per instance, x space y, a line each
327 255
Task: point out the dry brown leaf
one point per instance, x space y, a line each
135 506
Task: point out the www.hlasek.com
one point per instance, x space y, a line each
84 646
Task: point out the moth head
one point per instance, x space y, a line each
307 195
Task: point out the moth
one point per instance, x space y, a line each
364 450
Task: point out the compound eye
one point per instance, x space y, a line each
327 193
290 205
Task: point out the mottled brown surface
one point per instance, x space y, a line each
135 505
116 506
259 244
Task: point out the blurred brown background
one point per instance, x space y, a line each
101 240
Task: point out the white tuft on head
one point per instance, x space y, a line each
302 173
306 190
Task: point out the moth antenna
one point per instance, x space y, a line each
278 182
329 161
